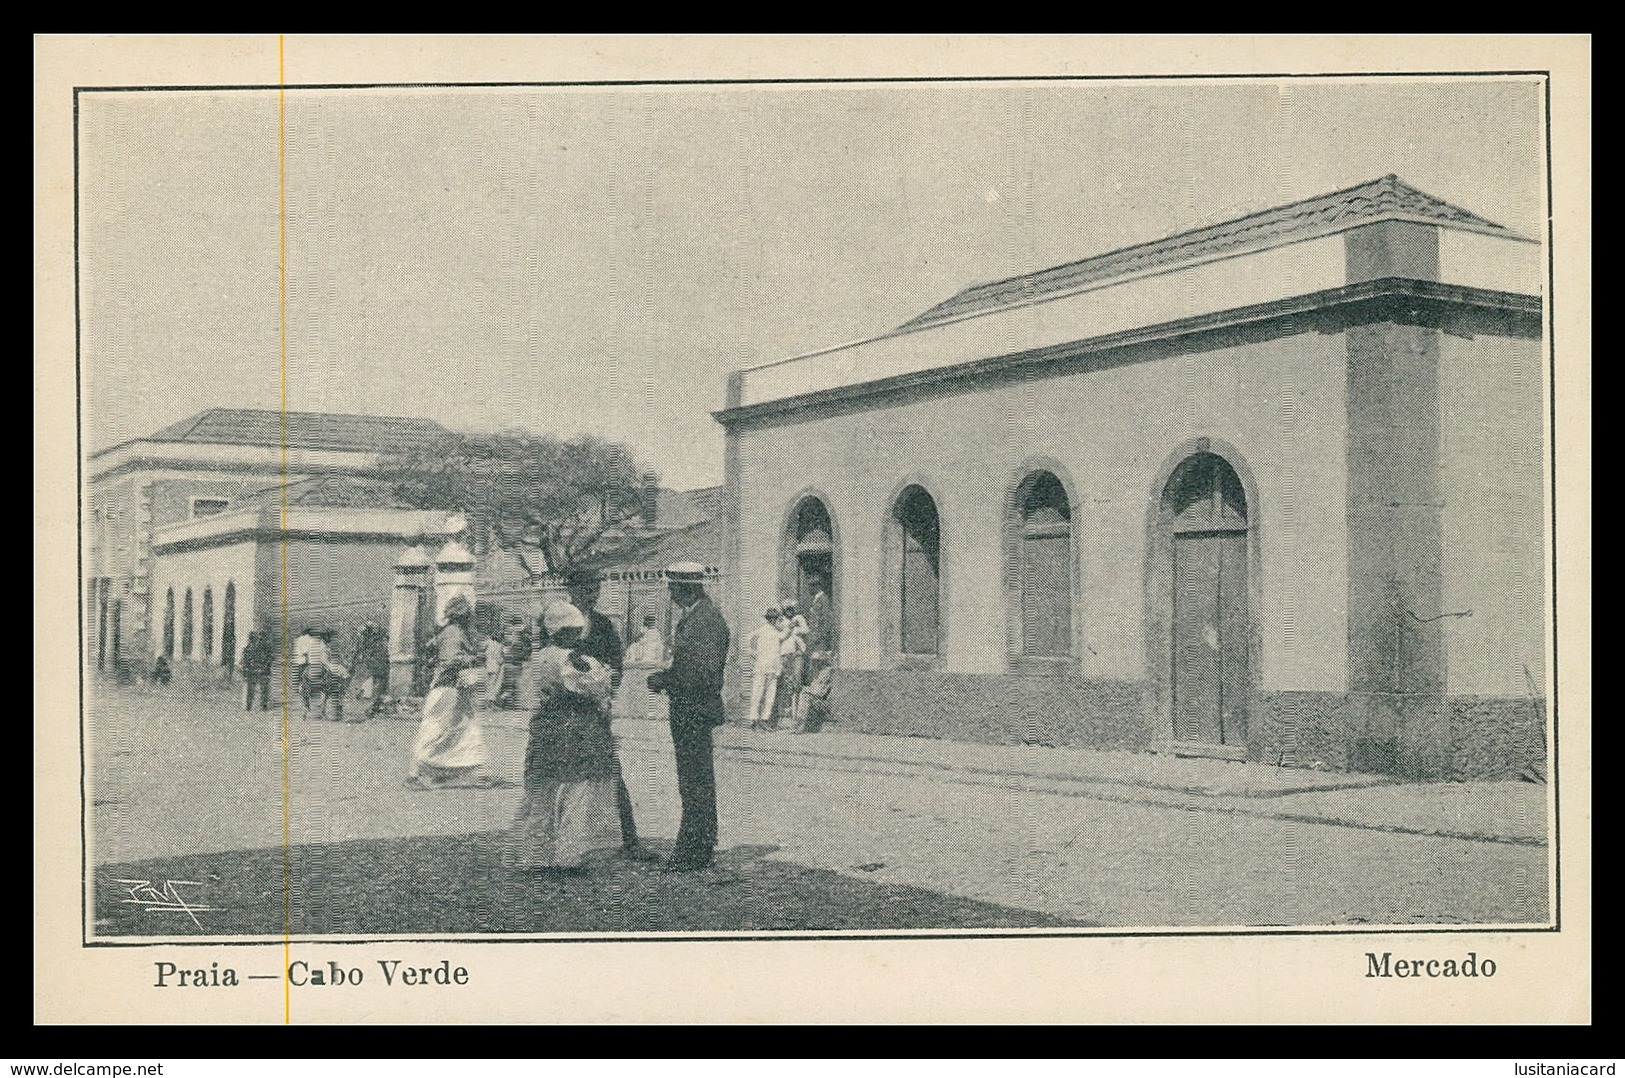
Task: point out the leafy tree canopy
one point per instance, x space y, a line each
526 493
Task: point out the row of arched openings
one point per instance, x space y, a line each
197 635
1040 523
1201 510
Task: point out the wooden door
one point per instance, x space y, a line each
1210 637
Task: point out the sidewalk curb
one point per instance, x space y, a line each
803 749
1222 804
1252 803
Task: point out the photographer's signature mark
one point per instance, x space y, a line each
162 899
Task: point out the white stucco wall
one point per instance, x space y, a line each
1496 516
212 567
1280 404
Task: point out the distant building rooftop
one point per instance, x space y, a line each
680 508
328 492
701 542
305 430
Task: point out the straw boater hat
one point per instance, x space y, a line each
685 572
787 605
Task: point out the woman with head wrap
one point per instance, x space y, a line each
568 812
450 746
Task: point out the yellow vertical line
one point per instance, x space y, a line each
282 290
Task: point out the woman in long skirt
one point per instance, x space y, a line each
568 813
450 746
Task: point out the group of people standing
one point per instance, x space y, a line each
576 804
790 658
317 675
320 675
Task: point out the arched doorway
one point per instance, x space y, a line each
169 624
208 623
812 547
808 567
1202 536
228 628
186 625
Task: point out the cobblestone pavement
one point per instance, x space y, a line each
824 831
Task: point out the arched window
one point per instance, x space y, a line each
1043 532
228 627
208 622
186 625
919 576
169 624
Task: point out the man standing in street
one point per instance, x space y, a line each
765 667
258 656
603 643
693 682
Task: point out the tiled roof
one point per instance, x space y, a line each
1378 199
680 508
306 430
700 542
328 492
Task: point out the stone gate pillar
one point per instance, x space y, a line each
453 575
412 582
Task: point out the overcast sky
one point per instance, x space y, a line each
599 260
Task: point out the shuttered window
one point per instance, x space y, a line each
1045 570
919 623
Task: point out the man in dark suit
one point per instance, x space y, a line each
693 682
603 643
258 657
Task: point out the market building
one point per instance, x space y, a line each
1271 489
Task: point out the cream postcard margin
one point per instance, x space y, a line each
1542 977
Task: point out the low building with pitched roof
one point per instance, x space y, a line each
1270 489
180 528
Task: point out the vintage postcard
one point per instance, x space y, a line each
812 530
